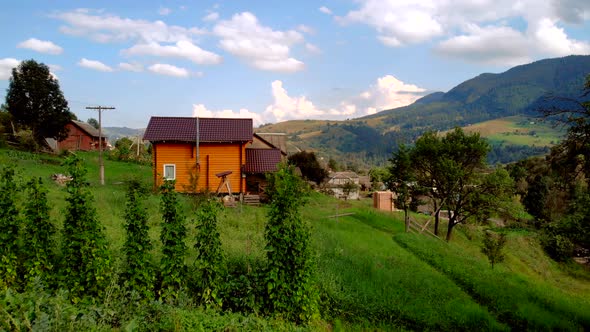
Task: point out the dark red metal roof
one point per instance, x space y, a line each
262 160
183 129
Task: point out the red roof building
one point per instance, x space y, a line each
81 136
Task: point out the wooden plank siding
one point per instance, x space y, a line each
214 158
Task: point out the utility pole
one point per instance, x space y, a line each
100 161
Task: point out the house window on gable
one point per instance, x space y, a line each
169 171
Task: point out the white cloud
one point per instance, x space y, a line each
493 45
388 92
6 66
553 40
305 29
41 46
398 22
478 31
258 45
110 28
164 11
168 70
325 10
135 67
95 65
211 17
311 48
55 67
182 49
201 111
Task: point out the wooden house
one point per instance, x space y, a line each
81 136
271 141
194 151
260 161
338 181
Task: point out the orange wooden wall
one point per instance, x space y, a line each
214 158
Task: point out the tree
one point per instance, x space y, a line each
93 122
458 167
402 176
35 101
333 165
492 247
448 169
309 166
289 276
425 157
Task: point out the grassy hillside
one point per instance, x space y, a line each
520 91
371 275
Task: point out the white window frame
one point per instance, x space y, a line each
174 171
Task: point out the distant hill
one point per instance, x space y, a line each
521 90
114 133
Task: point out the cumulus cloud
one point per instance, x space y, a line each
553 40
41 46
477 31
103 27
387 92
6 66
325 10
135 67
260 46
94 65
182 49
201 111
498 45
211 17
168 70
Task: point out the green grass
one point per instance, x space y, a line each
518 130
371 274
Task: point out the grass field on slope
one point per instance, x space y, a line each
371 275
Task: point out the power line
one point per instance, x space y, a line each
100 161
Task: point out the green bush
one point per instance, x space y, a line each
172 268
9 227
86 261
290 273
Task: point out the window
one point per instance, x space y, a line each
169 171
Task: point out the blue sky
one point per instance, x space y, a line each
277 60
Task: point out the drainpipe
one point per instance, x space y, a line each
197 147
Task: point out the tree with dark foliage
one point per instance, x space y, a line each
35 101
309 166
93 122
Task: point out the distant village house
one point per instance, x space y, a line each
81 137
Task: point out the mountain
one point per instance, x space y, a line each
114 133
521 90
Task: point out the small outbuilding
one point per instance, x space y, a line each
81 137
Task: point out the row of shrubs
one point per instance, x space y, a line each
78 265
